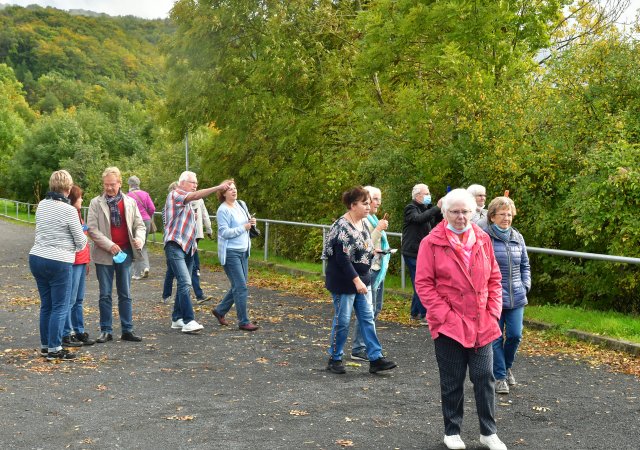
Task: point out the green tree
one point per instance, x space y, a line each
15 116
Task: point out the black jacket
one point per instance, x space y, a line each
419 219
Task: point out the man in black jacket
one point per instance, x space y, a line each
420 216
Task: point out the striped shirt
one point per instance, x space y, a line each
180 221
59 233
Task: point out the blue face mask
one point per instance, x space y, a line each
426 200
499 228
450 227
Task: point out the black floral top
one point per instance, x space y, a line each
349 253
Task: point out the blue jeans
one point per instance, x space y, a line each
417 309
75 318
195 278
53 279
506 346
181 264
105 274
343 304
167 288
237 269
357 344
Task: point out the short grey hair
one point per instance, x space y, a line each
456 196
186 174
416 190
477 189
373 190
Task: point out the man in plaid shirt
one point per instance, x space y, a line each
180 244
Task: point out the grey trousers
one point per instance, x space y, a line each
453 360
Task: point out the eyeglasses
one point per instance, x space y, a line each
195 183
504 215
458 212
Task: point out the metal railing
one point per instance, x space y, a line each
28 208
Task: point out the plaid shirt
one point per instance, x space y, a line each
180 221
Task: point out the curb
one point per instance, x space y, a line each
603 341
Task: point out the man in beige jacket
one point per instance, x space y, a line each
116 226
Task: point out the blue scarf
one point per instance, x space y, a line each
384 259
116 220
503 235
57 196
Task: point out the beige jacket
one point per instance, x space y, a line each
203 222
99 223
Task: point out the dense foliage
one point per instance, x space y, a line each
299 100
80 93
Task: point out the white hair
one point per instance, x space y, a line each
476 189
373 190
416 190
456 196
186 174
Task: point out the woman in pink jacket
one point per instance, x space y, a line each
458 281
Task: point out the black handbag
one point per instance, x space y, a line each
253 231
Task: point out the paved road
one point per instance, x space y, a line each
232 390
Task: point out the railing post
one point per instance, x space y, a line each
29 212
266 241
402 281
324 261
17 211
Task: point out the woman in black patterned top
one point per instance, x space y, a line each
349 251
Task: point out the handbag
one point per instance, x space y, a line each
253 231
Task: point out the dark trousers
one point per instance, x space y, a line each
453 360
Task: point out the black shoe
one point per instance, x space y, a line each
104 337
70 341
44 352
84 338
381 364
129 336
336 366
60 355
201 300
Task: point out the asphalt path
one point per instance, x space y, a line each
229 389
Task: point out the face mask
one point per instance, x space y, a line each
451 228
426 200
499 228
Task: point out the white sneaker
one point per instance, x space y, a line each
511 380
136 277
192 327
177 325
492 442
145 273
454 442
502 387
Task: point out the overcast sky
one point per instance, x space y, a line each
149 9
153 9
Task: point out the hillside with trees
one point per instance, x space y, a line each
81 93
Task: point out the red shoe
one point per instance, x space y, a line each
249 327
220 317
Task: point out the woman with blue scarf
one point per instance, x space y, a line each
511 254
379 267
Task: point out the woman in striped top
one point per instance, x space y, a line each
58 236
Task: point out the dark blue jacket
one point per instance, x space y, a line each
514 266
